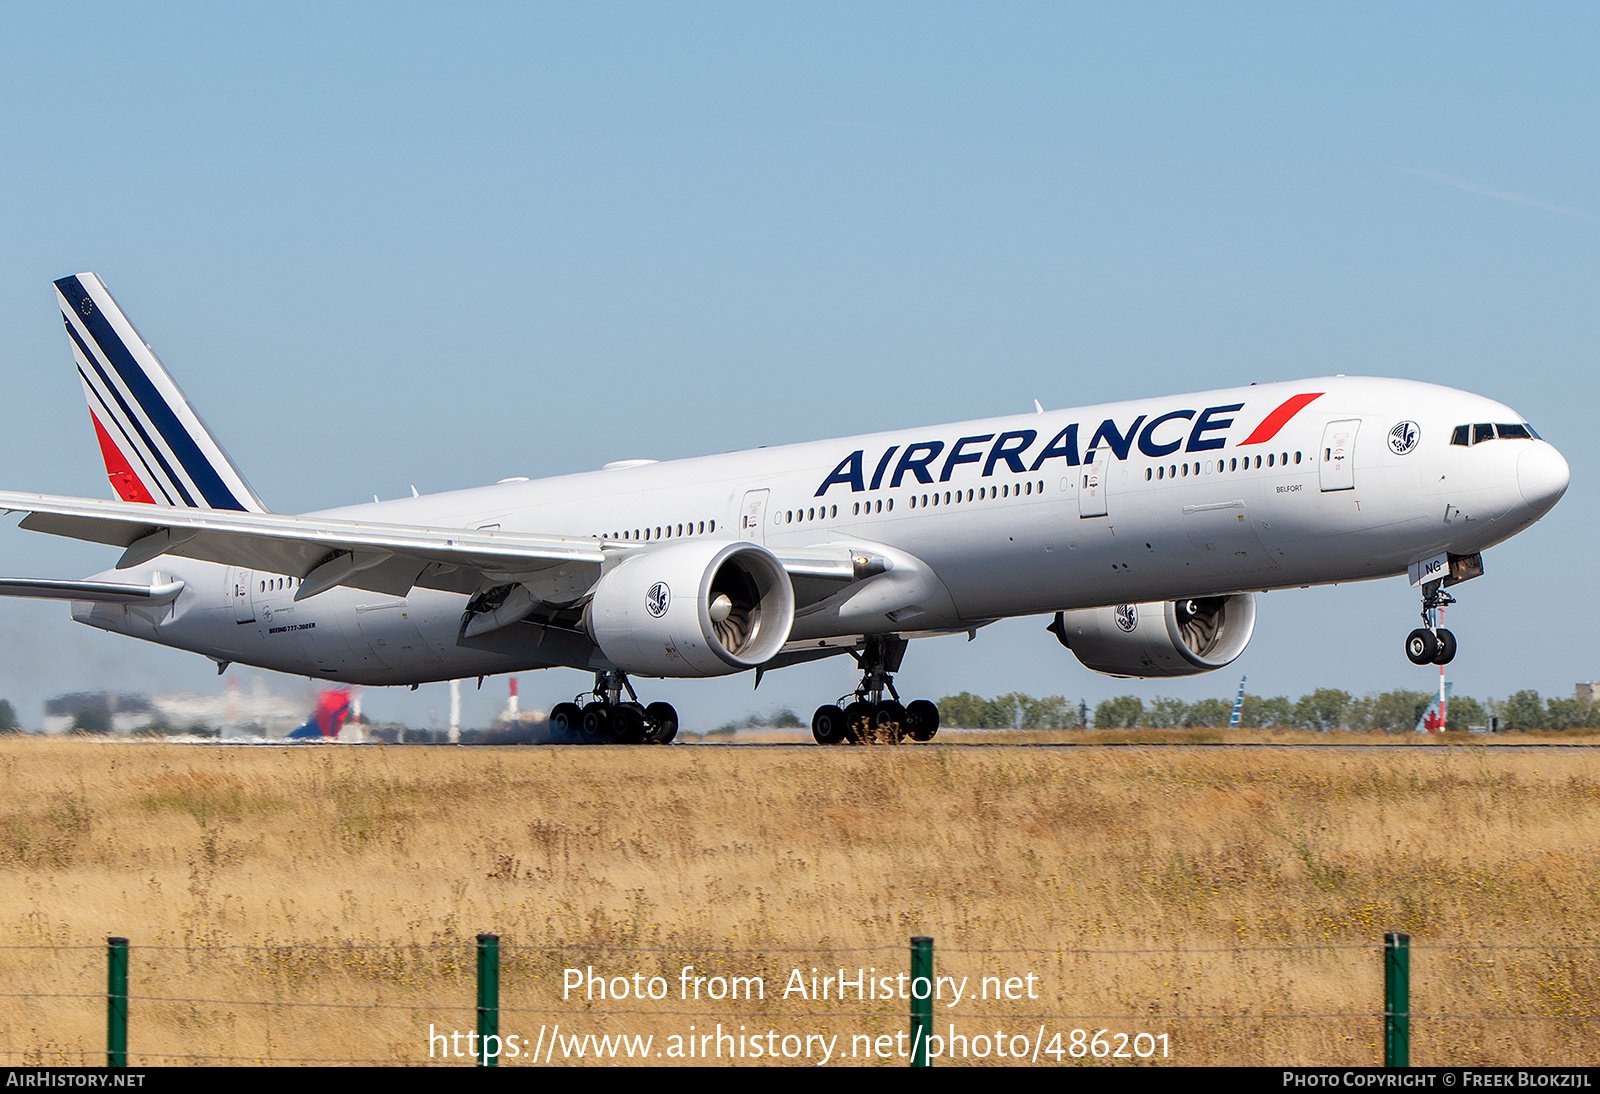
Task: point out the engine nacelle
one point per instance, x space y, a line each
1179 638
696 608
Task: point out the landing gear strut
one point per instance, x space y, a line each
1432 644
868 717
605 717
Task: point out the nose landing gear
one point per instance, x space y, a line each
1432 644
870 718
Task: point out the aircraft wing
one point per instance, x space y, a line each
322 552
389 558
823 572
386 558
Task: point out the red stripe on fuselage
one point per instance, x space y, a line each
1279 418
123 480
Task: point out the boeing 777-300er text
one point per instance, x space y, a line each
1144 528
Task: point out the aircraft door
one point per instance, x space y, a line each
752 516
1093 479
1336 461
241 584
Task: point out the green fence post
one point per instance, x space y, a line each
1396 1000
117 1002
921 1009
488 999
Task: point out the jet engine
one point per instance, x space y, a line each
1179 638
696 608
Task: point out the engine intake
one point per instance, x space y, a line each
703 608
1178 638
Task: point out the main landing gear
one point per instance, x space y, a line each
870 718
606 718
1432 644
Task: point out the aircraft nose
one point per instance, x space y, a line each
1542 475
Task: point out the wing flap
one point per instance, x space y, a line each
91 530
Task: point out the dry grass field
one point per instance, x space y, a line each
1233 900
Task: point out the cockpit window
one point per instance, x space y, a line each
1465 435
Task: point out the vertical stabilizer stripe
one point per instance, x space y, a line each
127 419
118 470
150 479
179 442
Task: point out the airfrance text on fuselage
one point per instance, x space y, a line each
1189 430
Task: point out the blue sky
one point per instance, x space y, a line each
384 245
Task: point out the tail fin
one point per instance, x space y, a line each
1433 719
156 448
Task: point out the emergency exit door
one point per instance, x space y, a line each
241 587
1336 461
1093 478
752 516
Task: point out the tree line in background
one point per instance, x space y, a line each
1322 710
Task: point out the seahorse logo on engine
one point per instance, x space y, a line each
1127 616
657 599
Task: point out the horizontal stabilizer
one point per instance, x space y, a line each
160 591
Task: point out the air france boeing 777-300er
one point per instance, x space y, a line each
1144 528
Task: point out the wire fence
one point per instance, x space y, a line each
564 1003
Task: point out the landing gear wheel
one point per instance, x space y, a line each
663 720
1447 648
566 718
922 720
827 725
876 716
858 722
596 720
1422 647
627 724
1431 644
888 721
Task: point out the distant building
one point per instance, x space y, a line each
1589 691
127 712
257 714
514 717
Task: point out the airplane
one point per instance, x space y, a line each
1142 529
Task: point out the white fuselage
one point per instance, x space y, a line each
983 520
